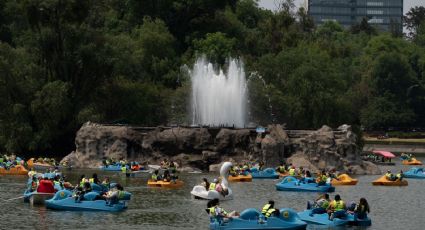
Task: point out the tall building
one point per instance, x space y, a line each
384 14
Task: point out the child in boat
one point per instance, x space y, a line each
362 209
114 195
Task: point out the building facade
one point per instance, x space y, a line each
384 14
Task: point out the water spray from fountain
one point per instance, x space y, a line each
218 99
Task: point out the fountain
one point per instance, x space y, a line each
218 98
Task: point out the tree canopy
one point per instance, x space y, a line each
63 63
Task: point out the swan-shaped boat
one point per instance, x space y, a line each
292 184
15 170
417 173
385 182
253 219
412 161
268 173
201 192
63 200
323 219
344 179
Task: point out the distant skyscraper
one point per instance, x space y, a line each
385 14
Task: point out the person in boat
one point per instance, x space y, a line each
281 168
94 179
232 171
115 194
320 206
291 170
164 163
32 186
82 180
337 208
81 191
216 211
269 210
399 176
172 166
213 185
362 209
389 176
155 176
260 165
45 186
57 182
306 177
106 182
205 183
174 176
219 188
322 178
166 176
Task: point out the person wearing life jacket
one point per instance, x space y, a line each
292 171
267 206
399 176
320 205
213 185
361 210
155 176
106 182
115 194
281 168
337 208
219 212
322 178
94 179
389 176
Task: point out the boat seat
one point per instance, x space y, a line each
90 196
250 214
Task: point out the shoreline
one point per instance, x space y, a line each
396 145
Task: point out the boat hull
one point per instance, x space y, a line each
382 181
240 178
294 185
165 184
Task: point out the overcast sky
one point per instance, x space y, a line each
271 4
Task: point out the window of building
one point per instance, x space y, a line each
375 12
376 3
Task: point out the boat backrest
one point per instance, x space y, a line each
250 214
269 170
289 179
90 196
62 194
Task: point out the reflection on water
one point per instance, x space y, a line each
155 208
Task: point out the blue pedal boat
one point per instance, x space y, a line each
293 184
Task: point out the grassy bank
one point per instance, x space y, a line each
399 141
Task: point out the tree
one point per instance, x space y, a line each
413 19
216 46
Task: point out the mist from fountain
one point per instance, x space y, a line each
218 99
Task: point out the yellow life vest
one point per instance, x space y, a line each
212 211
82 182
154 177
325 204
338 205
398 175
265 209
123 169
121 195
91 180
269 212
291 172
212 186
281 169
324 178
388 175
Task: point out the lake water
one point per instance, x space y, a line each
155 208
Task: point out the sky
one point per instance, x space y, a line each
271 4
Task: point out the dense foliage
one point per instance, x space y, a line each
65 62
